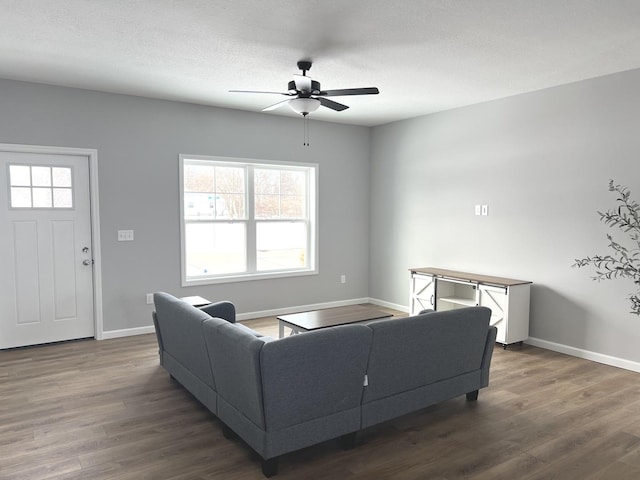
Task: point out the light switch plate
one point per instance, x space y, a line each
478 211
485 209
125 235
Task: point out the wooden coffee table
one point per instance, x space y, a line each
328 317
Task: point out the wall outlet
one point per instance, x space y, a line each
125 235
343 278
149 298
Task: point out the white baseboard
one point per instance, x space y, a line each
127 332
395 306
300 308
586 354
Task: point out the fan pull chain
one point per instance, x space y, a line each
305 141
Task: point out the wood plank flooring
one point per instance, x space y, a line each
107 410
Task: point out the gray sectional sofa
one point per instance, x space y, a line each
182 349
281 395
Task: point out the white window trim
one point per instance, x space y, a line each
312 247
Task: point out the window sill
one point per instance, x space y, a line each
247 277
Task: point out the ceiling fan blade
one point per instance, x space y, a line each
275 105
303 83
258 91
350 91
338 107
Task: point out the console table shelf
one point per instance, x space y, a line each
508 298
467 302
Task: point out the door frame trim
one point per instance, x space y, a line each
92 155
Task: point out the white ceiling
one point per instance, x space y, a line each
424 55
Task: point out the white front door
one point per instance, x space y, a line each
46 278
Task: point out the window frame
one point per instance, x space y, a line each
251 272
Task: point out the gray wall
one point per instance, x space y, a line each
138 142
542 162
393 197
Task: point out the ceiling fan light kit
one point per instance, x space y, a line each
304 106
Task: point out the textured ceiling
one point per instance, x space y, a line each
424 55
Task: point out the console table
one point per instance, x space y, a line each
508 299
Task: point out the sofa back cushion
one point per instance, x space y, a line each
408 353
234 353
181 332
314 375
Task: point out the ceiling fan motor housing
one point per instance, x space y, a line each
315 88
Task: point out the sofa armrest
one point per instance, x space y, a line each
488 353
225 310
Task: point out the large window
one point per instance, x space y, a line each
246 219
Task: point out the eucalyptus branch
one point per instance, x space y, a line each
623 262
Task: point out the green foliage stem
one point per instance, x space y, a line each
623 262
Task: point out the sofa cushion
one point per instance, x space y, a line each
234 355
314 375
180 326
409 353
248 330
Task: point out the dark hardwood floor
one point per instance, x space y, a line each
107 410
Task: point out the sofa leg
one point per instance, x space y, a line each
270 467
348 441
227 432
472 396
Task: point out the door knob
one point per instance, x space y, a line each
85 250
87 262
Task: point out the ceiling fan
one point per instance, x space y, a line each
306 96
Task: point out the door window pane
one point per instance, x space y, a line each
41 176
42 198
61 177
62 198
20 197
20 175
